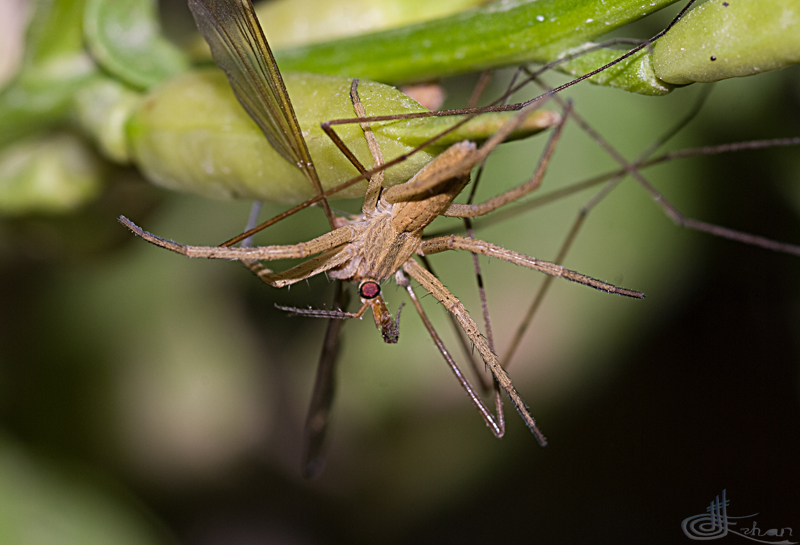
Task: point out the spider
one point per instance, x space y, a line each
381 243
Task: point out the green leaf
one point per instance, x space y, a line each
125 38
57 173
55 31
54 68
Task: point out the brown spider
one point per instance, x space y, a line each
382 242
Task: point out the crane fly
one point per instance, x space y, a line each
386 239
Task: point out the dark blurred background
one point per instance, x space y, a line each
148 398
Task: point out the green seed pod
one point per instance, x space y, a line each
730 38
193 135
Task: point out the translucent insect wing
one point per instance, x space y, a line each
239 47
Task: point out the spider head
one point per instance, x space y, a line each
370 293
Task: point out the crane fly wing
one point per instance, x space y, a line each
313 458
240 49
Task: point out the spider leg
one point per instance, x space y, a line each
454 242
376 180
466 345
473 210
329 240
431 284
307 269
455 161
496 424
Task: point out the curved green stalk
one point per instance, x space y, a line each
499 34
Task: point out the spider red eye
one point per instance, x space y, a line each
369 290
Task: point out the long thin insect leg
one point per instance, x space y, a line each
496 425
487 321
498 398
578 223
470 233
252 221
313 459
577 187
432 285
612 180
558 194
673 213
473 101
541 292
484 80
633 170
476 263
